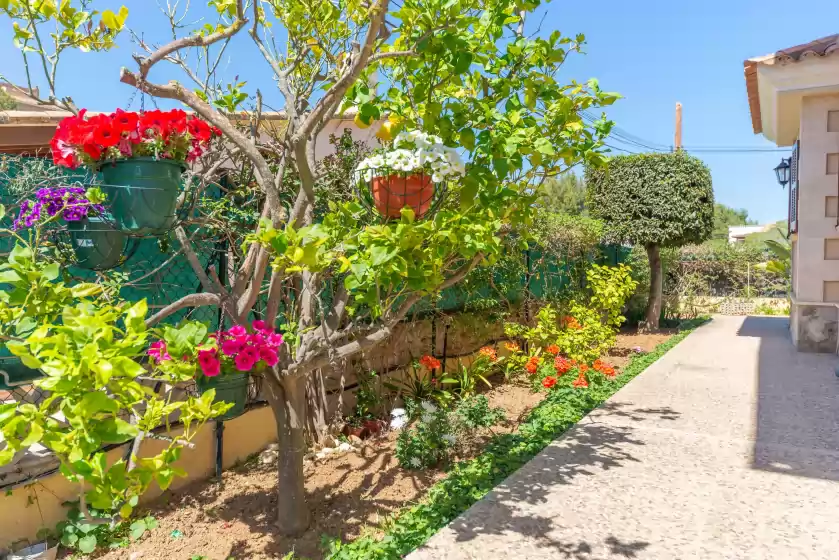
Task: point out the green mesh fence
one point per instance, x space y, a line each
155 269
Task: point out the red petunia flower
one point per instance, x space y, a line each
104 133
125 122
548 382
177 122
199 130
153 123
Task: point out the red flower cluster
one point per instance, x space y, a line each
163 134
489 352
571 323
581 381
548 382
532 365
604 368
552 349
430 362
562 365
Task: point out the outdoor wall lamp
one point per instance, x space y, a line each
782 171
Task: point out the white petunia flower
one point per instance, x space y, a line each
448 438
427 418
415 462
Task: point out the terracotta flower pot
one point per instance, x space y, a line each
373 427
392 193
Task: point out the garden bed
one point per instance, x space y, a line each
351 495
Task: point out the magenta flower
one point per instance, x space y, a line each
237 330
231 347
247 358
268 355
275 339
157 351
209 362
259 325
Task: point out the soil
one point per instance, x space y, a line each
349 494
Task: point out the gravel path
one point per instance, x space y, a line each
727 447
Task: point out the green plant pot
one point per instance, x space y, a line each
230 388
97 245
13 373
142 193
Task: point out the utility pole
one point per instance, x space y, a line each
678 139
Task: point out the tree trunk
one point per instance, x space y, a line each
654 301
288 401
316 404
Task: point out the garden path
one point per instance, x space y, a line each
726 448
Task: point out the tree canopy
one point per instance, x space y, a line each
661 199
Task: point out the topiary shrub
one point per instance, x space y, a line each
653 200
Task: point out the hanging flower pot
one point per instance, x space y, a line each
97 245
225 361
412 174
140 156
230 387
394 192
143 193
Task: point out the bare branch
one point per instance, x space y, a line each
191 300
392 54
193 41
359 61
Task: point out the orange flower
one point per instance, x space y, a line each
552 349
512 347
597 365
562 365
532 365
583 369
581 381
570 322
548 382
608 371
430 362
489 352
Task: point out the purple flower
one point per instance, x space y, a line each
70 201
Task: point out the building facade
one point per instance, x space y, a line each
794 102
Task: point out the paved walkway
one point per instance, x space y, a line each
727 447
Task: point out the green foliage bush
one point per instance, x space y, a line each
661 199
469 481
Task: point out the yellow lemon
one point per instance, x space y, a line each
360 122
386 131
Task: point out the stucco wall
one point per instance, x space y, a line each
815 185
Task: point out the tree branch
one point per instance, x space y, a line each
191 300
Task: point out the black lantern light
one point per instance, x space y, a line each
782 172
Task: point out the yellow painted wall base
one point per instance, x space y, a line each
30 508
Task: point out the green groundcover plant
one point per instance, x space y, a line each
469 481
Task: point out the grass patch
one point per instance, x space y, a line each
469 481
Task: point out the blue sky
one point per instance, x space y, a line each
653 52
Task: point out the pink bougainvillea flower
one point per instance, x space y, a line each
209 362
237 330
268 355
259 325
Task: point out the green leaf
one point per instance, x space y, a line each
138 529
9 277
87 544
51 271
85 289
97 401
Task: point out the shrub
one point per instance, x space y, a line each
427 442
654 200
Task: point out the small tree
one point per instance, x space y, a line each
656 200
461 70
